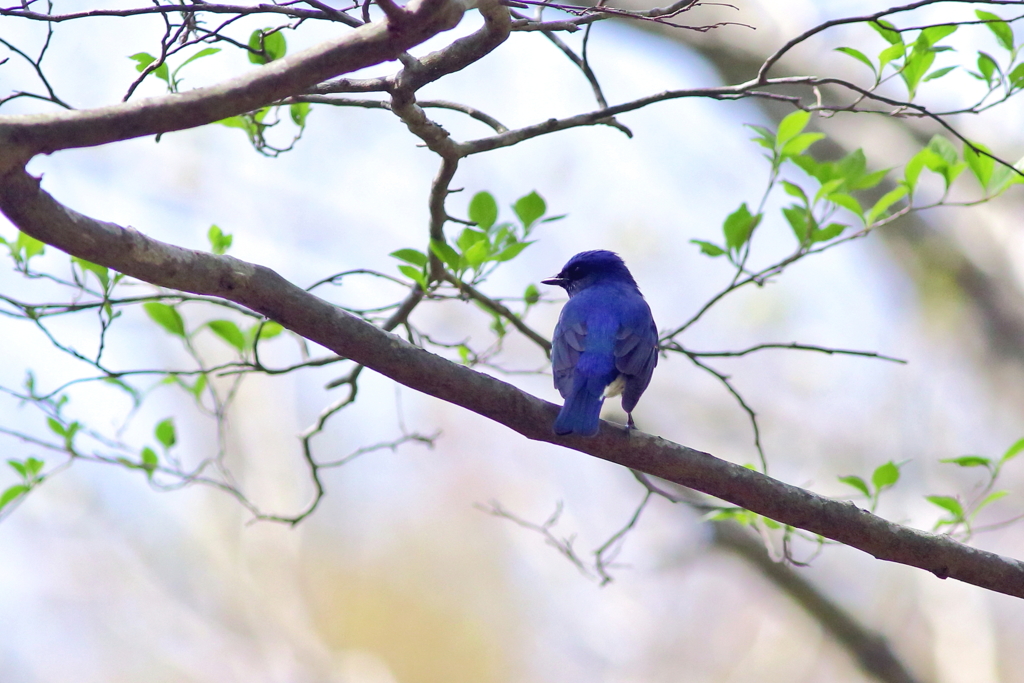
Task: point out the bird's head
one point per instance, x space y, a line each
590 267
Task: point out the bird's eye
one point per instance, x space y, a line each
575 271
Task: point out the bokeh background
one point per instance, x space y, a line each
399 576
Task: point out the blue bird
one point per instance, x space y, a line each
605 342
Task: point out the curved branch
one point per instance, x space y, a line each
22 137
499 308
39 215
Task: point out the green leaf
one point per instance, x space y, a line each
206 52
883 204
197 389
510 252
11 493
830 231
414 274
1013 451
229 332
738 515
867 180
765 137
968 461
449 256
483 210
791 126
144 59
266 330
165 433
299 111
34 466
469 237
891 53
19 467
852 166
529 209
887 31
166 316
821 171
990 498
801 221
1004 176
949 504
795 190
885 475
477 254
938 73
944 148
738 226
857 483
101 272
709 248
266 45
149 461
1016 76
29 246
1002 30
800 143
987 66
413 256
981 165
828 188
918 162
848 202
915 67
242 122
859 56
219 242
531 295
56 427
933 34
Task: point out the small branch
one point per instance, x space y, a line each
387 445
794 345
562 545
609 550
752 416
496 125
499 308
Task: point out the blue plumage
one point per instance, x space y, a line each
605 341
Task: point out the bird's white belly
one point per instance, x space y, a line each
616 387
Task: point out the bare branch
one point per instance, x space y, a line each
500 309
794 345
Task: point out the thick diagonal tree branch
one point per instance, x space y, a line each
39 215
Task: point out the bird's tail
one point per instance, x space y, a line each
581 413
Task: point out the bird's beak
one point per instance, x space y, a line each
556 281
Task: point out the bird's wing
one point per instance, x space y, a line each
636 353
636 345
566 347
